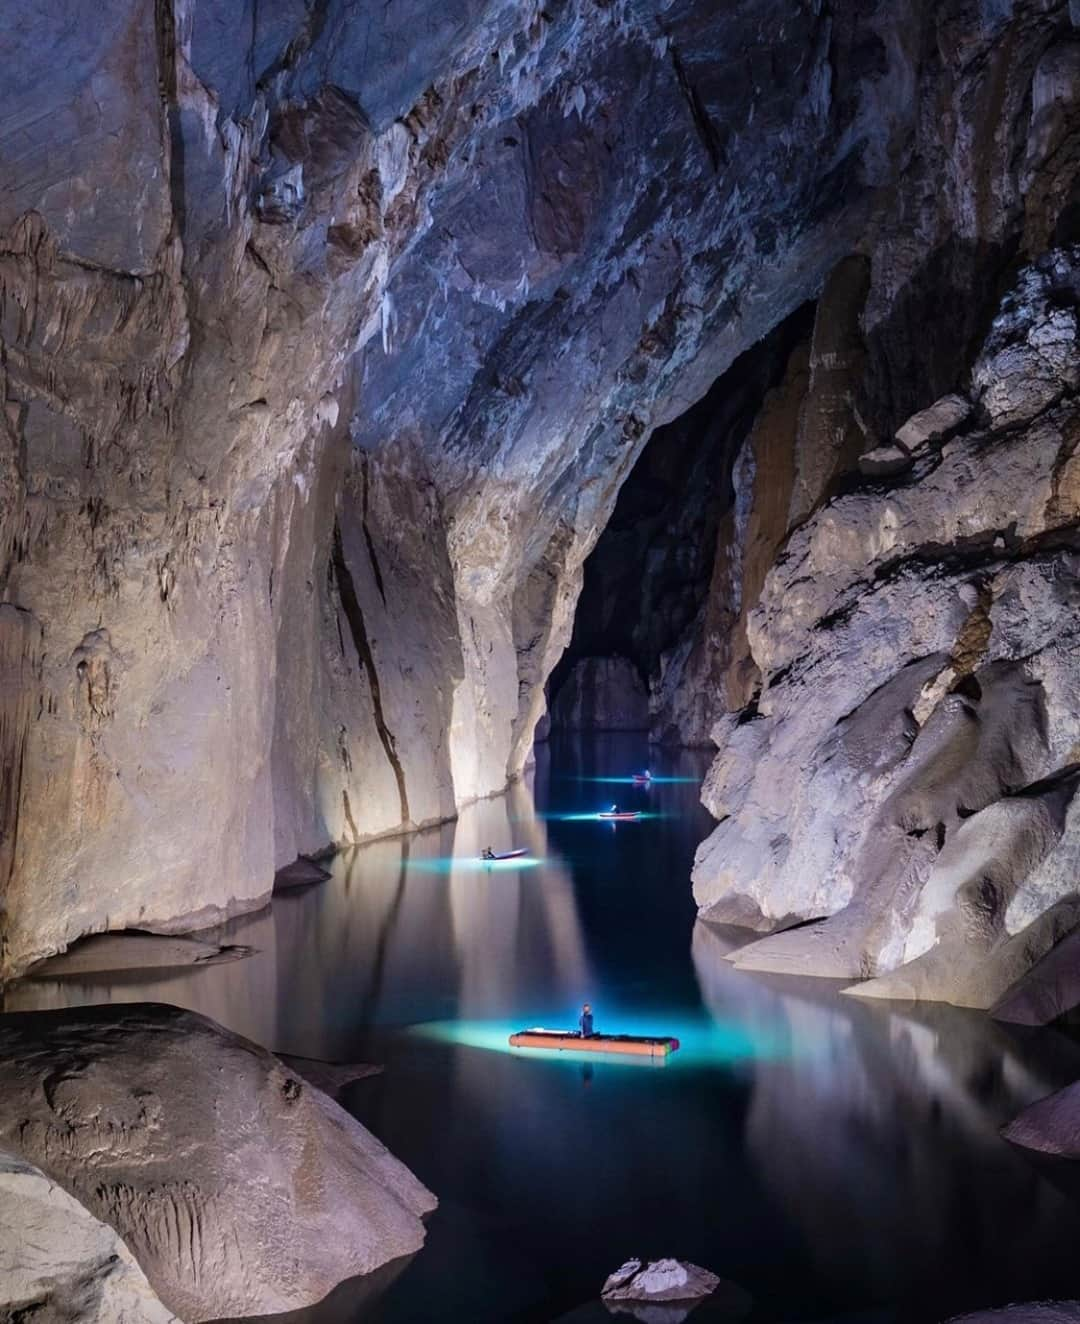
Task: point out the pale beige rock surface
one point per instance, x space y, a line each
58 1263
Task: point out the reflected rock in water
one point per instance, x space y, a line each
238 1188
878 1133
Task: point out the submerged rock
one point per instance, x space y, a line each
1029 1312
239 1188
659 1280
1050 1125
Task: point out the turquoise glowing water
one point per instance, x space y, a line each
836 1159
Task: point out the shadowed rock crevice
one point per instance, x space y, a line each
350 605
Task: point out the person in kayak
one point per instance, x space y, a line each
585 1022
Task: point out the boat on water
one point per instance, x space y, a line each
619 816
494 855
635 1045
642 778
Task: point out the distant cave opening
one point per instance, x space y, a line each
658 582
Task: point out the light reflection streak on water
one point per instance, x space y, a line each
634 781
450 864
595 817
702 1042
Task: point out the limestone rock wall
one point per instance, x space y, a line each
328 336
910 767
330 332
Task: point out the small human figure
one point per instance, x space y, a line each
614 809
487 853
585 1022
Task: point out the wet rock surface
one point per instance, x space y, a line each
1051 1125
249 1200
105 952
659 1280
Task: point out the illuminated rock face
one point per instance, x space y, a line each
910 769
330 333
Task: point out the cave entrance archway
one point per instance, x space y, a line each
662 588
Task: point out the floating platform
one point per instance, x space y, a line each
635 1045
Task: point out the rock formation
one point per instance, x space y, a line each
325 352
246 1201
909 769
602 694
1050 1125
59 1263
329 333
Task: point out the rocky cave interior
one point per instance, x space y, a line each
386 387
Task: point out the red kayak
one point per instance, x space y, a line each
609 817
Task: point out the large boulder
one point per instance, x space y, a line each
1050 1125
238 1188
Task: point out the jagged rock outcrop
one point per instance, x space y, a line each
249 1200
492 258
909 769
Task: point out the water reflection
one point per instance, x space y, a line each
831 1156
881 1140
407 929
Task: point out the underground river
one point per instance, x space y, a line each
832 1159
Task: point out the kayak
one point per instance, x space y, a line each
636 1044
626 817
641 779
505 855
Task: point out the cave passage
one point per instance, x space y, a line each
651 593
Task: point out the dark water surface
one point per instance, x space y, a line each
836 1160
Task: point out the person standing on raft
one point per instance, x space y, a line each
585 1022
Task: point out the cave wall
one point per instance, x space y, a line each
330 334
328 337
907 771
